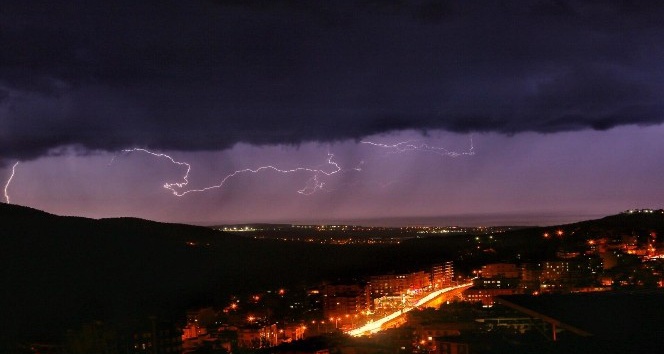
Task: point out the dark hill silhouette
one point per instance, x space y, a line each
623 223
531 244
58 272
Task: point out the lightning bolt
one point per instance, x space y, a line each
10 181
409 145
169 186
313 185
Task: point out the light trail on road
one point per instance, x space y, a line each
375 326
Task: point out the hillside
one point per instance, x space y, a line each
530 243
60 271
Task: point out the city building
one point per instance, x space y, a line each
398 284
485 295
500 270
340 300
442 275
494 279
291 333
256 336
563 275
496 283
530 278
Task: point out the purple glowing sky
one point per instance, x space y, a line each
542 178
562 99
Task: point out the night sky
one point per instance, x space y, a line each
508 112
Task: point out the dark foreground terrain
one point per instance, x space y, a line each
59 272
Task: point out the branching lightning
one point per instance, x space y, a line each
10 181
170 186
406 146
313 185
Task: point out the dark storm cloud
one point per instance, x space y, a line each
200 75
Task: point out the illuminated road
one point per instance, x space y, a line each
375 326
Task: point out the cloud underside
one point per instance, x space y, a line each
205 75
